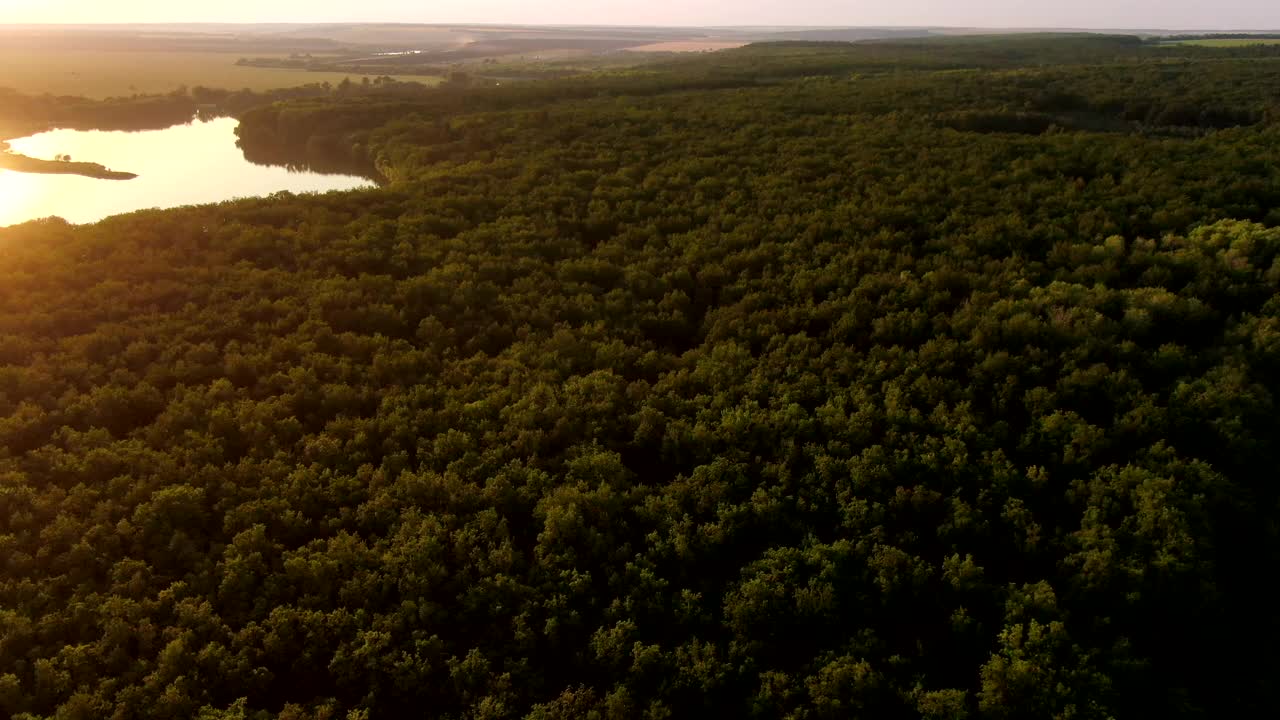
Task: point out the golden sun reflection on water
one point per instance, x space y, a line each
18 198
182 165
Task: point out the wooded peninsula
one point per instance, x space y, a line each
22 163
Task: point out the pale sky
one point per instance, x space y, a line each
1140 14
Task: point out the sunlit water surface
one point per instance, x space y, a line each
182 165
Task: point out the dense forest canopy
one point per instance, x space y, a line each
914 379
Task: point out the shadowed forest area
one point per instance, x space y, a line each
905 379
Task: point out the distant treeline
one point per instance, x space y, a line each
315 147
1219 36
25 114
369 66
1142 98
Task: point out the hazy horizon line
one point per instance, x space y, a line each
677 26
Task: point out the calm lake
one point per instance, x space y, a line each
182 165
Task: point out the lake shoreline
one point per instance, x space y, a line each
194 163
17 162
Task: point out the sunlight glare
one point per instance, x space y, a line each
19 198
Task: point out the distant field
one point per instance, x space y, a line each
553 55
1230 42
688 46
100 74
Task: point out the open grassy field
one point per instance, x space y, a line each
114 73
1230 42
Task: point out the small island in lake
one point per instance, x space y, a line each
22 163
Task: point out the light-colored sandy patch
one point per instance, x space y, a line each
689 46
